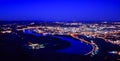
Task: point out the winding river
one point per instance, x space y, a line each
76 47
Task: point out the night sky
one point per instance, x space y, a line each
60 10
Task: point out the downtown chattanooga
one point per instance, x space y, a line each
73 35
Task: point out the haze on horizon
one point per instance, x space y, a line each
60 10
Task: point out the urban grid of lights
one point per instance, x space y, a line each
110 33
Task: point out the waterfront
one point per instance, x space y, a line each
76 47
39 42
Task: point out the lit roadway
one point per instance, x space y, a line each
82 40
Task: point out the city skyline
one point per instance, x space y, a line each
76 40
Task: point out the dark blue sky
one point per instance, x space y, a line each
61 10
